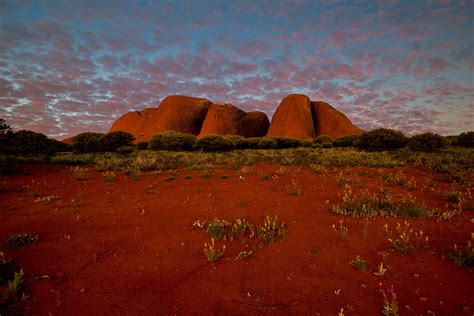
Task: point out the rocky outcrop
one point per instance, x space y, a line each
329 121
136 123
223 119
293 118
180 114
296 116
255 124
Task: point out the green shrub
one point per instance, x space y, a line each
125 150
213 142
87 142
29 143
19 240
267 143
427 142
381 139
326 145
251 142
323 139
114 140
239 141
466 139
287 142
171 140
345 141
143 145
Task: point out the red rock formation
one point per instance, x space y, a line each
329 121
255 124
136 123
223 119
293 118
180 114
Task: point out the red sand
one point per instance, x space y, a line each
133 249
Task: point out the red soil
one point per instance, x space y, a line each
133 248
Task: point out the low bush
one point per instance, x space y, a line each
427 142
143 145
213 142
381 139
29 143
125 150
466 139
171 140
323 139
287 142
87 142
267 143
345 141
114 140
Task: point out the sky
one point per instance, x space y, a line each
77 65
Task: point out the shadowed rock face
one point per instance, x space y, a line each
255 124
226 119
293 118
329 121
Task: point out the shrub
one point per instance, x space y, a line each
143 145
287 142
213 142
87 142
171 140
17 241
381 139
427 142
114 140
345 141
466 139
252 142
267 143
125 150
326 145
29 143
239 141
323 139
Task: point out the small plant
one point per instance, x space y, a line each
19 240
46 199
358 263
341 179
109 176
293 188
187 177
365 233
463 256
402 243
318 169
212 254
224 177
390 305
80 173
411 184
239 227
243 255
169 179
15 285
217 228
380 270
454 195
271 230
341 231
